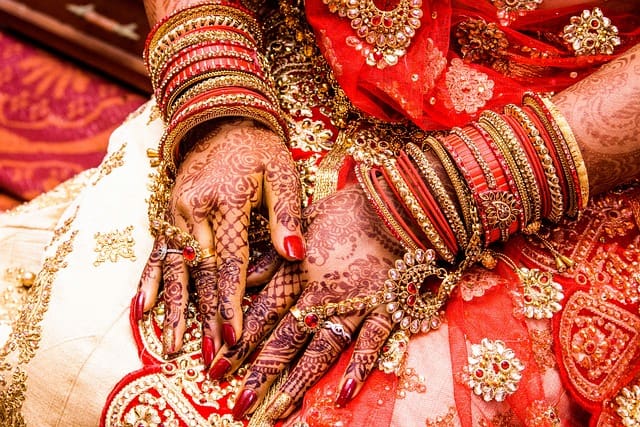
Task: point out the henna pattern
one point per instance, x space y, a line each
371 338
603 114
174 297
228 281
279 350
205 279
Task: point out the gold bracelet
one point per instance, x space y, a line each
465 200
571 209
520 169
362 174
418 213
551 175
441 194
574 149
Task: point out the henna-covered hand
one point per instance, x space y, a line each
238 168
348 255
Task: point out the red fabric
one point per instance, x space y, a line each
55 119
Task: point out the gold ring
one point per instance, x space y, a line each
207 253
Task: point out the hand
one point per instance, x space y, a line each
237 168
348 255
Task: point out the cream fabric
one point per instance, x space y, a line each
86 344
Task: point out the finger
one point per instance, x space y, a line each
232 252
283 199
264 313
278 352
263 264
175 294
320 354
374 333
150 280
205 279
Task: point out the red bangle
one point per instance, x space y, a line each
426 200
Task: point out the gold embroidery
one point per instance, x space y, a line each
469 89
591 33
446 420
25 337
110 163
541 346
481 42
410 382
113 245
540 414
508 10
628 401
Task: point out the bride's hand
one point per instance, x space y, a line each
237 168
348 255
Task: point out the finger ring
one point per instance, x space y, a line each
163 250
207 253
308 321
337 329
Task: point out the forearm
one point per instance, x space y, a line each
157 9
603 111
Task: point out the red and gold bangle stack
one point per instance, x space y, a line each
564 149
489 178
205 64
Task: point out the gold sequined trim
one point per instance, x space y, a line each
114 245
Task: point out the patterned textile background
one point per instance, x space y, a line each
55 119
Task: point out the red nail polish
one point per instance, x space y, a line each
294 247
219 369
138 306
246 399
207 350
346 394
229 334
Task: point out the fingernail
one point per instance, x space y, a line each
346 394
207 350
138 306
219 369
229 334
246 399
294 247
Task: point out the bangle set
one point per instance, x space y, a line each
509 172
204 62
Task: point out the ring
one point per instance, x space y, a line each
337 329
163 250
207 253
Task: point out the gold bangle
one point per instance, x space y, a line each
571 209
442 196
551 175
362 174
465 200
520 169
418 213
574 149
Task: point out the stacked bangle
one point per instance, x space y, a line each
205 64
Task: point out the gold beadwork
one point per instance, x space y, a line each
382 36
114 245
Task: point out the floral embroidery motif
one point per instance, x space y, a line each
311 135
541 346
628 401
410 381
591 33
113 245
493 371
469 89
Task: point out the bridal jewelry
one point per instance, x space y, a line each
383 36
